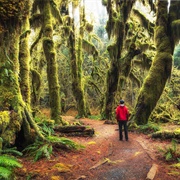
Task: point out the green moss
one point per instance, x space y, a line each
10 124
24 59
6 98
177 165
12 9
4 120
167 134
174 173
160 33
144 21
89 47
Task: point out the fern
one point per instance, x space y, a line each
65 141
9 161
45 126
171 153
149 128
44 151
46 130
13 151
7 164
39 150
168 156
5 173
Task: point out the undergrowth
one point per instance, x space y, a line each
95 117
44 149
7 165
8 162
171 153
149 128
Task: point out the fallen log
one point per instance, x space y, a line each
74 130
69 129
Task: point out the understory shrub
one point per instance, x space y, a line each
171 153
149 128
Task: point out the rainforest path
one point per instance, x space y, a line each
103 158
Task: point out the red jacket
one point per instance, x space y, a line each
122 113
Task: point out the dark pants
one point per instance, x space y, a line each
123 124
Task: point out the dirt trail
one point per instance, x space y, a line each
104 158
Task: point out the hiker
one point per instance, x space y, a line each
122 115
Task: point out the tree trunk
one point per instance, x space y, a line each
115 27
161 67
24 60
10 99
14 114
76 69
52 71
76 78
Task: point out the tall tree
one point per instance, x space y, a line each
116 27
166 35
19 120
24 60
48 9
76 57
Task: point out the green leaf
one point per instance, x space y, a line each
168 156
5 173
6 72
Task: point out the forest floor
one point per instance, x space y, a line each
103 158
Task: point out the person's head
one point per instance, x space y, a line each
121 102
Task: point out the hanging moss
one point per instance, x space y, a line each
89 27
116 28
36 20
114 25
135 79
89 47
113 51
144 21
160 70
104 2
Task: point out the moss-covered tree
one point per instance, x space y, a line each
75 44
116 27
48 9
166 35
24 60
16 121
